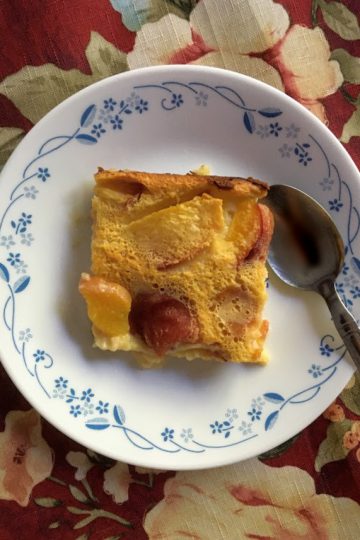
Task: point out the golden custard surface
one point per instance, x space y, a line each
189 252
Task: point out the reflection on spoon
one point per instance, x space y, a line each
307 251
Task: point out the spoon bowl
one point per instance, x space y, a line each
307 252
306 247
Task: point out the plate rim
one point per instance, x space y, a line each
183 68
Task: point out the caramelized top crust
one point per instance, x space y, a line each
137 182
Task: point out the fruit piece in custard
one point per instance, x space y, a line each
245 227
108 304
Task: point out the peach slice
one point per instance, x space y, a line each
108 304
261 247
245 227
176 234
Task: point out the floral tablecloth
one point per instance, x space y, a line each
51 487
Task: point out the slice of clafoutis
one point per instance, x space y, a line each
178 266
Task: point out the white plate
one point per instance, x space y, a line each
187 415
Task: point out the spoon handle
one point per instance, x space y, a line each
343 320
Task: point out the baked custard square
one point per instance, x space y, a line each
178 266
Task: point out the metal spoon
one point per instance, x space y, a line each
307 251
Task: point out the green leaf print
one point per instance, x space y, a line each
35 90
340 19
331 448
352 126
349 65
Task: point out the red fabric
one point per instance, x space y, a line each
56 32
46 31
